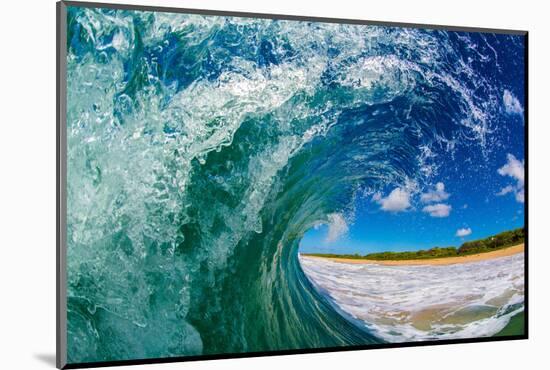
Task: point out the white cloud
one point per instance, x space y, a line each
397 201
511 103
505 190
438 194
463 232
520 196
438 210
515 169
337 227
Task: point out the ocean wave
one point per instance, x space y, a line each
201 149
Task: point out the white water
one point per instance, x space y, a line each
411 303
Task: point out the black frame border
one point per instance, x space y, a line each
61 177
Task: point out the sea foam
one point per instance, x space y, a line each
412 303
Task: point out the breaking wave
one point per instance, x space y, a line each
201 149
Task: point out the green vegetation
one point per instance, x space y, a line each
492 243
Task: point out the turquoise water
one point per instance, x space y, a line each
201 149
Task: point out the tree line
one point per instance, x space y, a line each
499 241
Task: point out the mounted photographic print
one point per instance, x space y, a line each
236 184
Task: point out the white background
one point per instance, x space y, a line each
27 182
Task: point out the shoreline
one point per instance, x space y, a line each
504 252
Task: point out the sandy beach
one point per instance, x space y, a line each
434 261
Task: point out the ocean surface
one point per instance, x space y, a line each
200 150
415 303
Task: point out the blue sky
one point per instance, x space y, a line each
474 194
